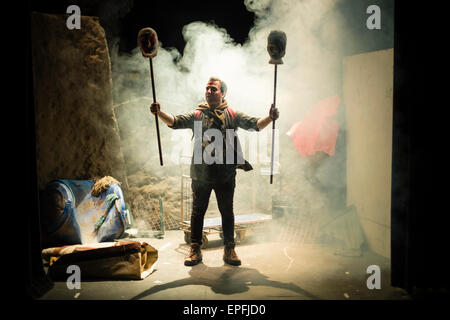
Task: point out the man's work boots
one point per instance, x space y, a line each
230 256
194 257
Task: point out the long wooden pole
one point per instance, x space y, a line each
273 122
156 115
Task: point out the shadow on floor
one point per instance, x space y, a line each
225 280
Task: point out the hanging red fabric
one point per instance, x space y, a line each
317 131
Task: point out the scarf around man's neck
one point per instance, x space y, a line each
217 113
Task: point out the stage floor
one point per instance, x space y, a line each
270 270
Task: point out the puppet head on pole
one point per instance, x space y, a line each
148 42
276 46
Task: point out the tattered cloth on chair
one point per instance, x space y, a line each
126 260
83 212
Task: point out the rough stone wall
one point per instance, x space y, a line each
76 130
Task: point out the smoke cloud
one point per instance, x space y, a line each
317 36
311 70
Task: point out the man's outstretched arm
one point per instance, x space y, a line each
273 115
165 117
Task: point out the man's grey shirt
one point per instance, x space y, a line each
214 173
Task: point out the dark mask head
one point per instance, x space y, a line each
148 42
276 46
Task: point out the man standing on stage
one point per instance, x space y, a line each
214 116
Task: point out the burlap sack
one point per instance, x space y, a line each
131 260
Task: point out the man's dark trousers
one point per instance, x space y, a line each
201 192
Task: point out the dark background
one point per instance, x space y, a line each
420 166
124 18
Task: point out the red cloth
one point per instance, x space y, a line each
317 132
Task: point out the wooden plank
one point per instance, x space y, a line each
239 219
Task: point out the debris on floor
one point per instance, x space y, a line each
346 232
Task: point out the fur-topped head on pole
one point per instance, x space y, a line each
276 46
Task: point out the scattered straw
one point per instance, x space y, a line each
102 184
